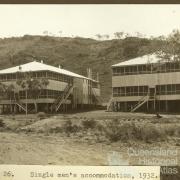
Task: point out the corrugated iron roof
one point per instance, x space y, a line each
150 58
37 66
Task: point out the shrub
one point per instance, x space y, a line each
41 115
68 127
172 130
164 121
27 123
177 131
89 124
124 131
56 130
150 132
2 124
113 130
100 127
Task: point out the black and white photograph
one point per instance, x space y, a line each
90 85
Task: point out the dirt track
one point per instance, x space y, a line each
58 149
25 149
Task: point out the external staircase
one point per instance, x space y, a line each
141 101
97 98
109 105
17 102
63 97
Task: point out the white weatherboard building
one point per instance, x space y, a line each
63 89
146 83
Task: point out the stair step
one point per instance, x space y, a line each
109 104
144 100
98 98
64 97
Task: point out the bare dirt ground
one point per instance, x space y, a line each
33 140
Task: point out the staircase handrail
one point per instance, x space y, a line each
140 102
141 99
64 97
109 103
20 105
97 97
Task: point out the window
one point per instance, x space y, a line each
147 68
122 91
135 91
157 89
168 89
43 93
115 92
122 69
141 90
114 71
134 69
177 88
118 70
177 66
126 70
130 91
140 69
173 88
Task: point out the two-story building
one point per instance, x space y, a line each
146 83
46 88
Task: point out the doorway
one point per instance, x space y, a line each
152 93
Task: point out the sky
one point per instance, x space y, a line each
88 20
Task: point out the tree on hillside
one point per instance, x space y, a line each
170 50
99 36
139 35
32 87
7 91
45 33
119 35
106 36
161 38
2 88
127 35
11 54
60 33
131 47
10 93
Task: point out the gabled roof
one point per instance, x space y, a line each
150 58
37 66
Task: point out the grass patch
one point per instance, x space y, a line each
42 115
2 124
123 131
114 130
173 130
89 123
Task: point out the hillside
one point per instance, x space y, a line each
75 54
